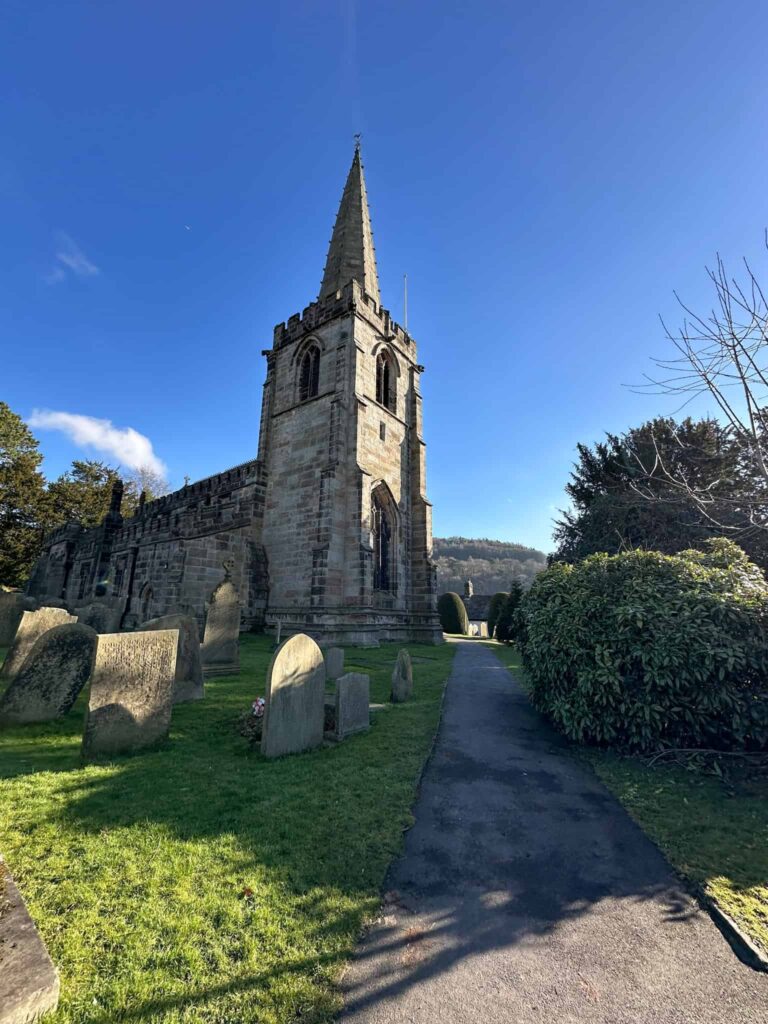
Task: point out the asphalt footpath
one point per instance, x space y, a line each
526 893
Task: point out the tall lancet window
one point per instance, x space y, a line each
309 374
383 577
385 381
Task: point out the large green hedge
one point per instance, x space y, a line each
453 614
643 650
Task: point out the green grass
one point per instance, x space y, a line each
198 881
715 833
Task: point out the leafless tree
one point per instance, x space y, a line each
723 354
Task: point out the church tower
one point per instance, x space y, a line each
347 526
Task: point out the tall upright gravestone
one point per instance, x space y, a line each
188 683
402 678
52 676
131 691
294 713
334 662
32 626
221 648
353 702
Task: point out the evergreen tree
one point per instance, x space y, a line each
494 609
506 625
82 495
22 498
624 495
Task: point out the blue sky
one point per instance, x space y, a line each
546 175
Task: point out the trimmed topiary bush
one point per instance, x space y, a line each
494 607
453 614
642 650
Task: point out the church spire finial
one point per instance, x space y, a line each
351 255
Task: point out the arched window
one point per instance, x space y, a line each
385 381
383 577
309 374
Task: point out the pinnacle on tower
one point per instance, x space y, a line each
351 255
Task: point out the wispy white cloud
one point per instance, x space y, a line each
70 257
127 445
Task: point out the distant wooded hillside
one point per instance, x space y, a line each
490 564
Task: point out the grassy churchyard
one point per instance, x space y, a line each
199 881
713 831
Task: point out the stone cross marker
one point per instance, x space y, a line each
32 626
188 684
353 699
52 676
29 983
402 678
131 691
294 714
221 650
11 609
334 662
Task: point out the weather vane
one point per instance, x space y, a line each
358 136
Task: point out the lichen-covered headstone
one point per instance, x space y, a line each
52 676
353 699
29 982
295 700
188 684
131 691
221 648
11 610
402 678
32 626
334 662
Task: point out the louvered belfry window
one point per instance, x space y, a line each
385 381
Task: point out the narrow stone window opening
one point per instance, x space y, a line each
309 374
383 431
382 546
385 381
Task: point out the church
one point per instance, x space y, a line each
328 531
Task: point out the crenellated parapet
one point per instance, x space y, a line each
351 298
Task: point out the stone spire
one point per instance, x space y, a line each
351 254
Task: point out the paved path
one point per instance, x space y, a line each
526 893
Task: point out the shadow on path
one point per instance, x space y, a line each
526 892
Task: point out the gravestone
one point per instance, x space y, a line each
353 698
29 982
32 626
103 616
11 610
52 676
402 678
221 649
334 662
188 684
131 691
295 700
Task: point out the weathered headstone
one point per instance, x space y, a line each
103 616
131 691
402 678
11 610
188 684
221 650
334 662
32 626
29 982
294 713
353 698
52 676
